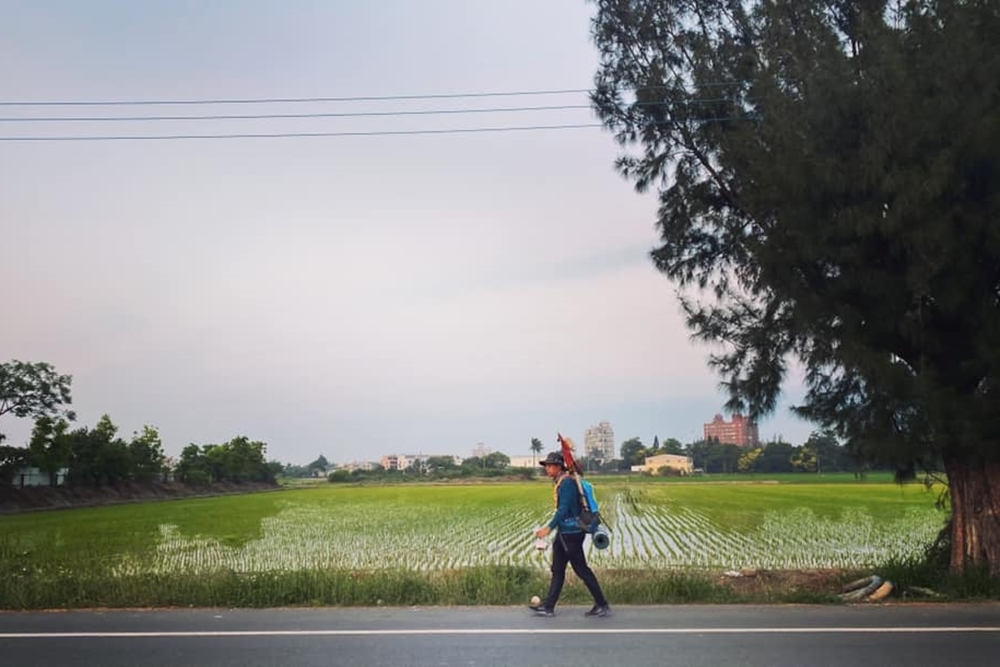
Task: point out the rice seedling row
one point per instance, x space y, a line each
424 529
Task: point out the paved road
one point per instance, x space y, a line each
688 636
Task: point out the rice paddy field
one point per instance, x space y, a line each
319 540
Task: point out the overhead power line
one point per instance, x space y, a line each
304 100
273 116
278 135
289 135
670 109
289 100
333 114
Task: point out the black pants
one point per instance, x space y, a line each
568 548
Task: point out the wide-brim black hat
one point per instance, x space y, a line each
553 457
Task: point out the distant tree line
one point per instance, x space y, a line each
239 460
495 464
317 468
97 457
820 453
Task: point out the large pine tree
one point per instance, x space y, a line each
829 183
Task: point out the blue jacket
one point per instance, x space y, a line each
567 502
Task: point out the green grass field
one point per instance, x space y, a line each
443 543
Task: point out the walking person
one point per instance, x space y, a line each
567 548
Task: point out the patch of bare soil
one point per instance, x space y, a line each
782 584
14 500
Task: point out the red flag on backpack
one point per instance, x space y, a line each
566 444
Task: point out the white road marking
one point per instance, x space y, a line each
498 631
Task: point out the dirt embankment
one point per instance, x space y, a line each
36 498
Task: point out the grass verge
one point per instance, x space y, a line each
492 585
471 586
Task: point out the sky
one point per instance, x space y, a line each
396 286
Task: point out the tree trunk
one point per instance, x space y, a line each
974 486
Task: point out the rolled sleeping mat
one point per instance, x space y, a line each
861 588
882 592
601 538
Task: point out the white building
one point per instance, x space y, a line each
681 465
599 442
397 461
35 477
357 465
526 461
404 461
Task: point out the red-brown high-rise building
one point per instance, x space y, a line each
741 431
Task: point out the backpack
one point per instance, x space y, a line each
590 517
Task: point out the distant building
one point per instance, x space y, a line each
684 465
525 461
35 477
396 461
404 461
740 431
481 451
357 465
599 442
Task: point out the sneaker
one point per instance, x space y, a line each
598 610
541 611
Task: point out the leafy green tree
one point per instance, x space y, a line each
84 458
831 456
49 447
633 452
34 390
497 460
776 457
97 456
270 471
827 177
804 459
672 446
145 453
291 470
252 455
239 460
11 460
219 459
193 466
320 464
722 457
440 465
113 461
698 451
473 463
340 476
494 463
748 459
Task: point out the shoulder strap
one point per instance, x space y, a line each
583 496
579 487
555 488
